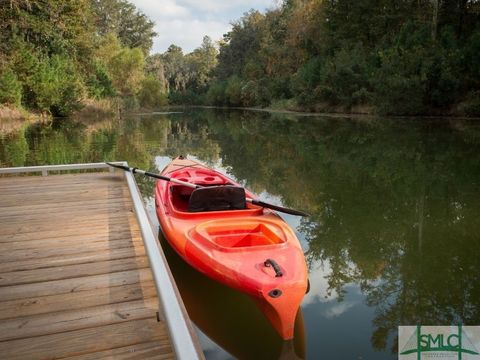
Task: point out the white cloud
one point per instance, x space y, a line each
162 9
338 309
187 34
319 285
221 6
186 22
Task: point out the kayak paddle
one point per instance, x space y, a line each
194 186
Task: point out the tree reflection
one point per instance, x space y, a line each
394 204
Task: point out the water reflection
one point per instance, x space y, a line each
394 236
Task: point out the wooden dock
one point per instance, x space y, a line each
75 279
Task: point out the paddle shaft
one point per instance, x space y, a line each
194 186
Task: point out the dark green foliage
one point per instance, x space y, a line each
216 93
56 86
100 84
240 45
471 105
185 97
398 57
233 91
472 63
10 88
345 77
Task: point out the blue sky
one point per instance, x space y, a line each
185 22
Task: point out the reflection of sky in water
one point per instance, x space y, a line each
342 330
212 351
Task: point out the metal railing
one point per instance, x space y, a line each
178 323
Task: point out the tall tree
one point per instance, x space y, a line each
202 61
133 28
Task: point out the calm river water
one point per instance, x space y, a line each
393 237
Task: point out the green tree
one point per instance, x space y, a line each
154 67
133 28
128 72
10 88
175 66
151 94
57 86
202 61
239 45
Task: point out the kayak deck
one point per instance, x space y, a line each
74 276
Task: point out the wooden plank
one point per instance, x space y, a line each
53 209
77 175
62 321
65 178
61 194
62 197
78 178
52 186
95 229
54 203
45 252
82 215
77 300
71 259
72 271
158 350
54 189
34 225
58 322
74 285
72 235
42 241
84 341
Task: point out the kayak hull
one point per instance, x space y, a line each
251 250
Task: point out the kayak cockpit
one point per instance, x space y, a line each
240 233
211 198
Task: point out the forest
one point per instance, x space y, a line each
401 57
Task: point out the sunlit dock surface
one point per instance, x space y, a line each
75 276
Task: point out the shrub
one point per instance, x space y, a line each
233 91
400 82
151 94
100 84
216 94
126 69
471 106
57 86
10 88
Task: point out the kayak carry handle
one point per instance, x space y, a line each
273 263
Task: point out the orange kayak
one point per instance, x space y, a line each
241 245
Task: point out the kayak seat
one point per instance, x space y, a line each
217 198
180 196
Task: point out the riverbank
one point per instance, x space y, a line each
469 108
331 114
13 118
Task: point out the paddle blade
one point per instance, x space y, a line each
279 208
123 167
